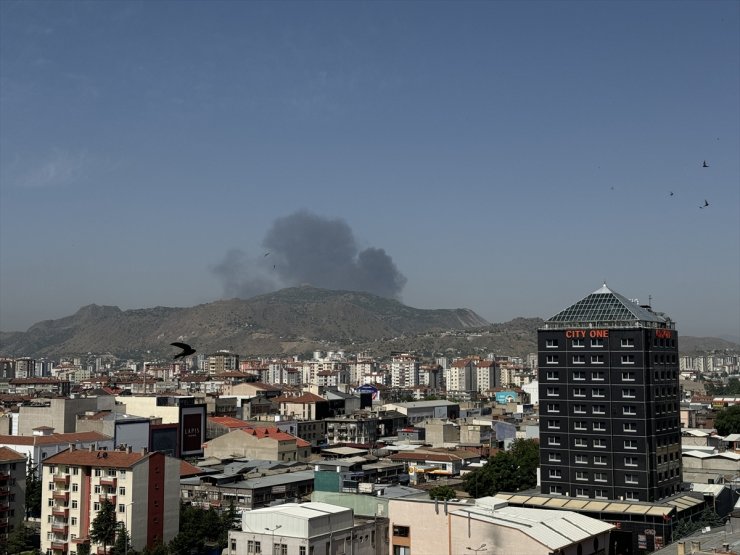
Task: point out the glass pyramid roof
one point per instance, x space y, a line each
604 307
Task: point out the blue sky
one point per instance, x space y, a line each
506 157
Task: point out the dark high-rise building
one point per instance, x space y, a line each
609 401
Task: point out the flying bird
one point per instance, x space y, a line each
187 350
670 194
705 164
267 254
706 203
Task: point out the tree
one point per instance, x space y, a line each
123 541
512 470
104 525
727 421
443 493
19 539
33 490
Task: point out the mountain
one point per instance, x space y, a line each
288 321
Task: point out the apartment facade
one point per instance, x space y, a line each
609 401
144 488
12 490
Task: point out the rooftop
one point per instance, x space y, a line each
605 307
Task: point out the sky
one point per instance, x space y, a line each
507 157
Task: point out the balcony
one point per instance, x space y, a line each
4 492
60 512
108 481
60 495
59 546
61 479
4 477
61 529
107 497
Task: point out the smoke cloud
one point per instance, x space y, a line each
307 249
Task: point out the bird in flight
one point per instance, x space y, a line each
187 350
705 164
706 203
267 254
670 194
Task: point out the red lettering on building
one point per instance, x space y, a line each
603 334
663 334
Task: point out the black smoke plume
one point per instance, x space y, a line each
307 249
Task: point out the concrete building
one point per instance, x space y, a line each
418 411
308 406
222 361
307 529
144 487
710 468
609 401
258 443
12 490
405 370
60 414
489 525
125 429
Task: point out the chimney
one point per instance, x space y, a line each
144 450
129 449
680 548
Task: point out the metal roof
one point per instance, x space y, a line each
554 529
605 307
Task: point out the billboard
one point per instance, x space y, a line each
192 430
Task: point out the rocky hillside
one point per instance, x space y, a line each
292 320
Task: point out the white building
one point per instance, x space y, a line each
304 529
405 370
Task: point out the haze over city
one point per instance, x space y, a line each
507 157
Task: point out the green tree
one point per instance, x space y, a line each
727 421
83 549
512 470
123 541
33 490
443 493
20 539
104 525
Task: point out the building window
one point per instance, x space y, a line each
600 459
597 343
599 409
555 473
553 440
630 426
75 470
74 503
75 487
579 392
580 442
121 508
581 475
302 550
554 457
597 359
551 343
628 376
121 491
579 409
631 496
552 392
579 359
556 490
628 342
628 359
599 426
552 375
580 425
577 343
597 376
579 375
551 359
630 461
600 443
581 492
629 393
628 410
630 444
630 479
97 472
401 531
600 493
553 424
96 506
553 407
599 476
581 459
598 392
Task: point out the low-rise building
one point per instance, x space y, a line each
267 443
306 529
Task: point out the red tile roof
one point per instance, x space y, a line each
187 469
7 454
275 433
53 439
104 459
229 422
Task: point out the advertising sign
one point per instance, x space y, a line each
192 430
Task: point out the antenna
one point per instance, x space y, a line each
650 300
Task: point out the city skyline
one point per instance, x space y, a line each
450 155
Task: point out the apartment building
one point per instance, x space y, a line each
12 490
144 488
405 370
